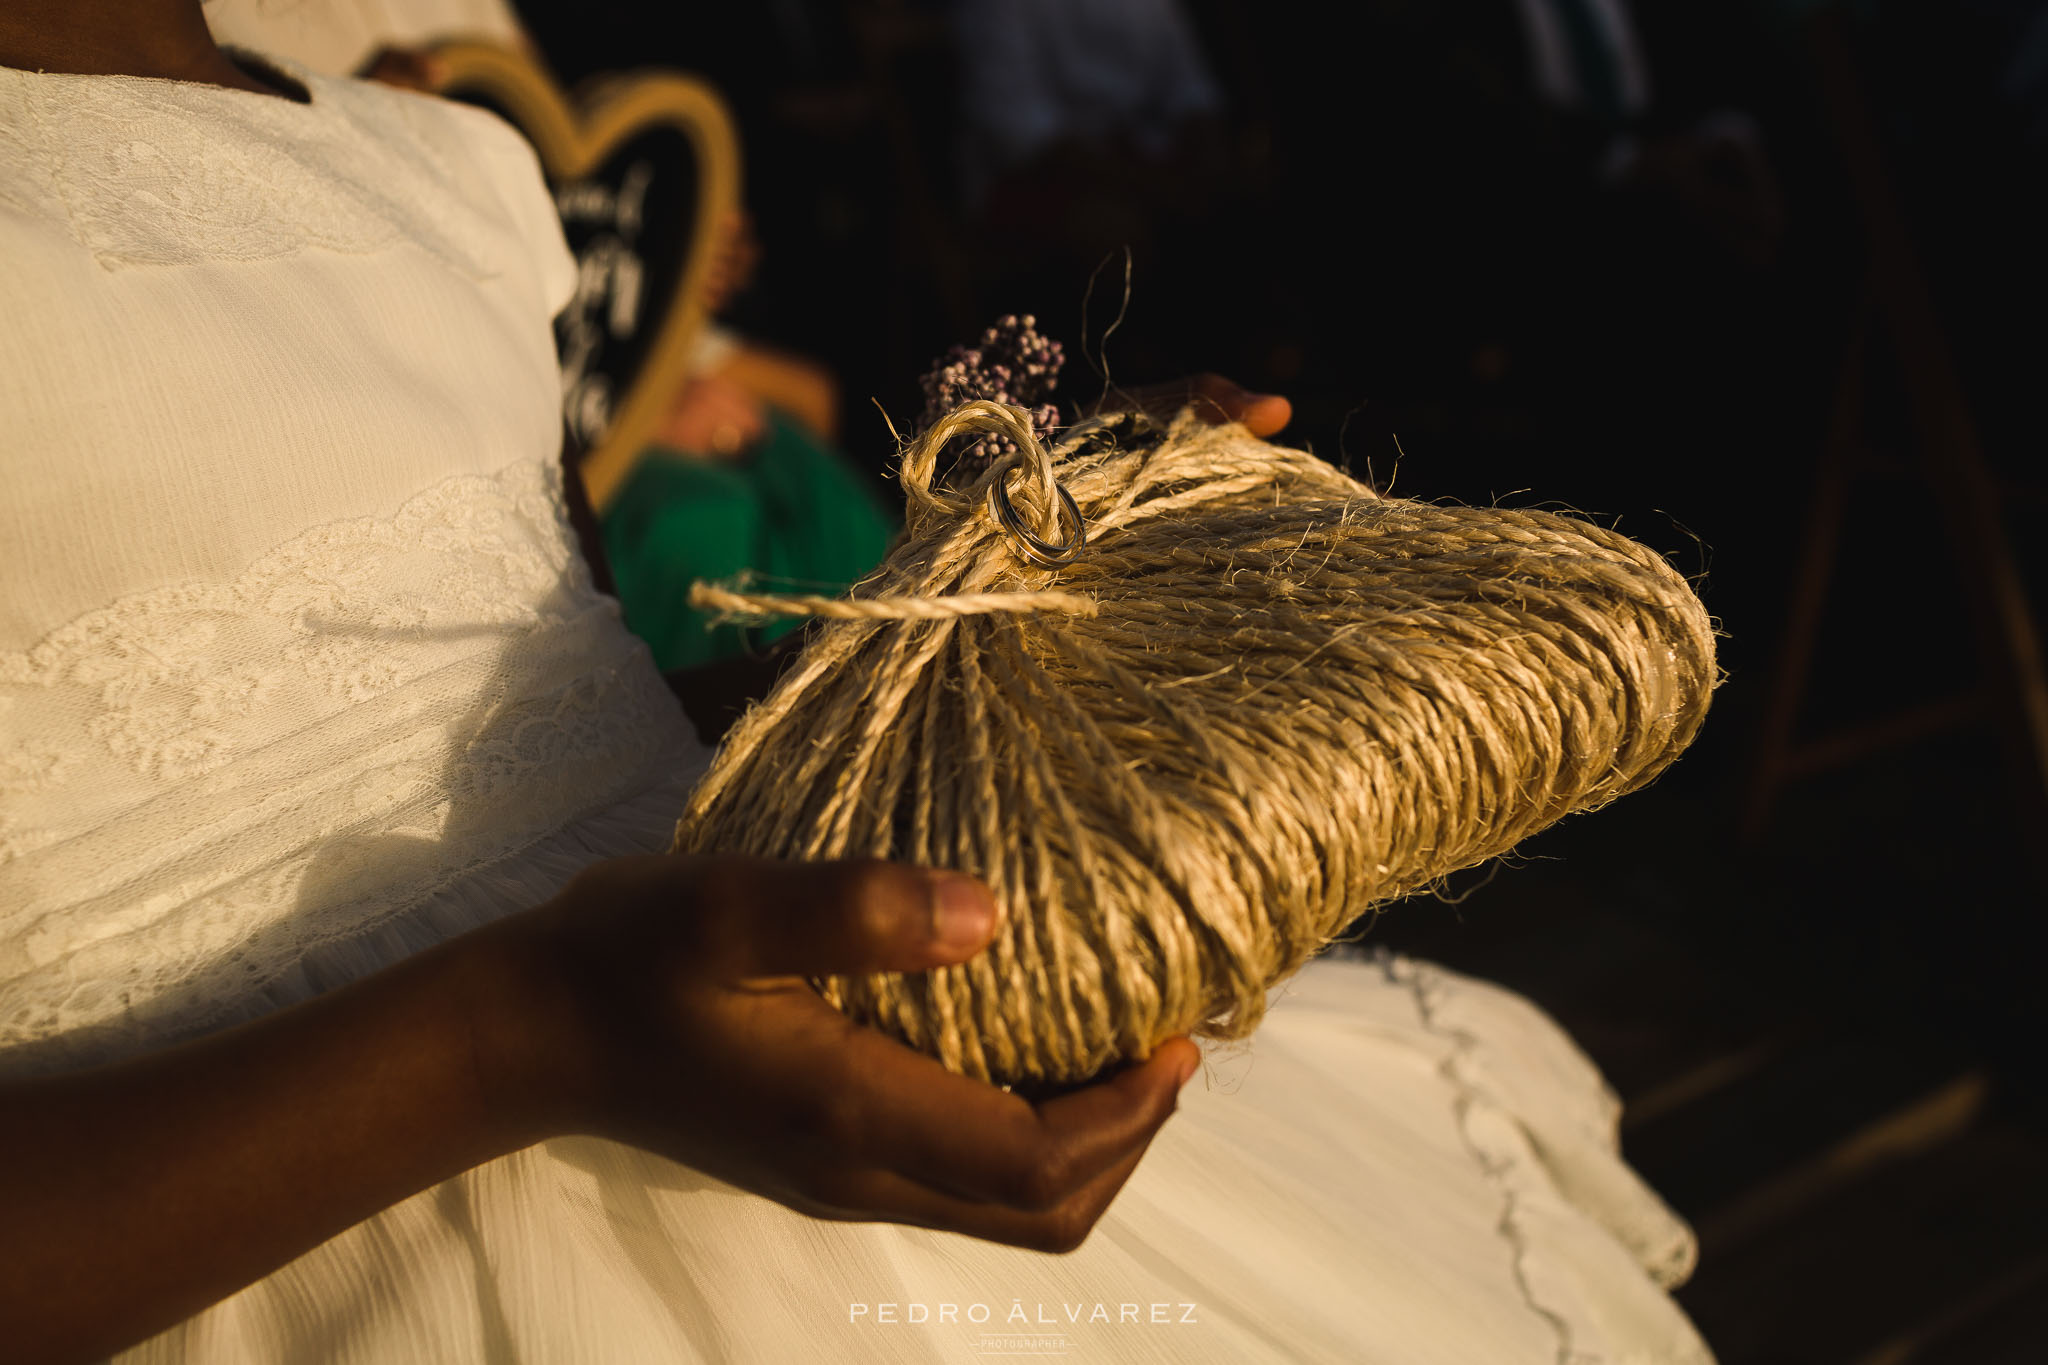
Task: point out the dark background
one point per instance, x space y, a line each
1821 1007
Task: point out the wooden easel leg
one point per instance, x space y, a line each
1820 545
2001 616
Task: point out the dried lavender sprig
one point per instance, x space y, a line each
1013 363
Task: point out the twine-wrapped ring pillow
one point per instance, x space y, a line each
1255 700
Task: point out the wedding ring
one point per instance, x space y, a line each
1038 551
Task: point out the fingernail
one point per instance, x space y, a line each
963 912
1189 1068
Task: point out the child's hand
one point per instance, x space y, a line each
674 1014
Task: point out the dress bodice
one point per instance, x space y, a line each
294 631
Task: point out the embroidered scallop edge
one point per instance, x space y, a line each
1424 987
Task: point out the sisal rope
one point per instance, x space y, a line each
1260 702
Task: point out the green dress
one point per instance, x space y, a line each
793 513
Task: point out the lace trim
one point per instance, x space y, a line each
183 679
202 781
162 172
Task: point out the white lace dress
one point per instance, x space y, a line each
299 671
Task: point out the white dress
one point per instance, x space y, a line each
300 671
337 37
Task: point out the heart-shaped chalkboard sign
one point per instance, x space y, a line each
644 169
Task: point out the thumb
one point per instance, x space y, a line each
844 918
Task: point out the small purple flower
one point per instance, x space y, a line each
1012 364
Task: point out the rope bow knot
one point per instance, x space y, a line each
1040 520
